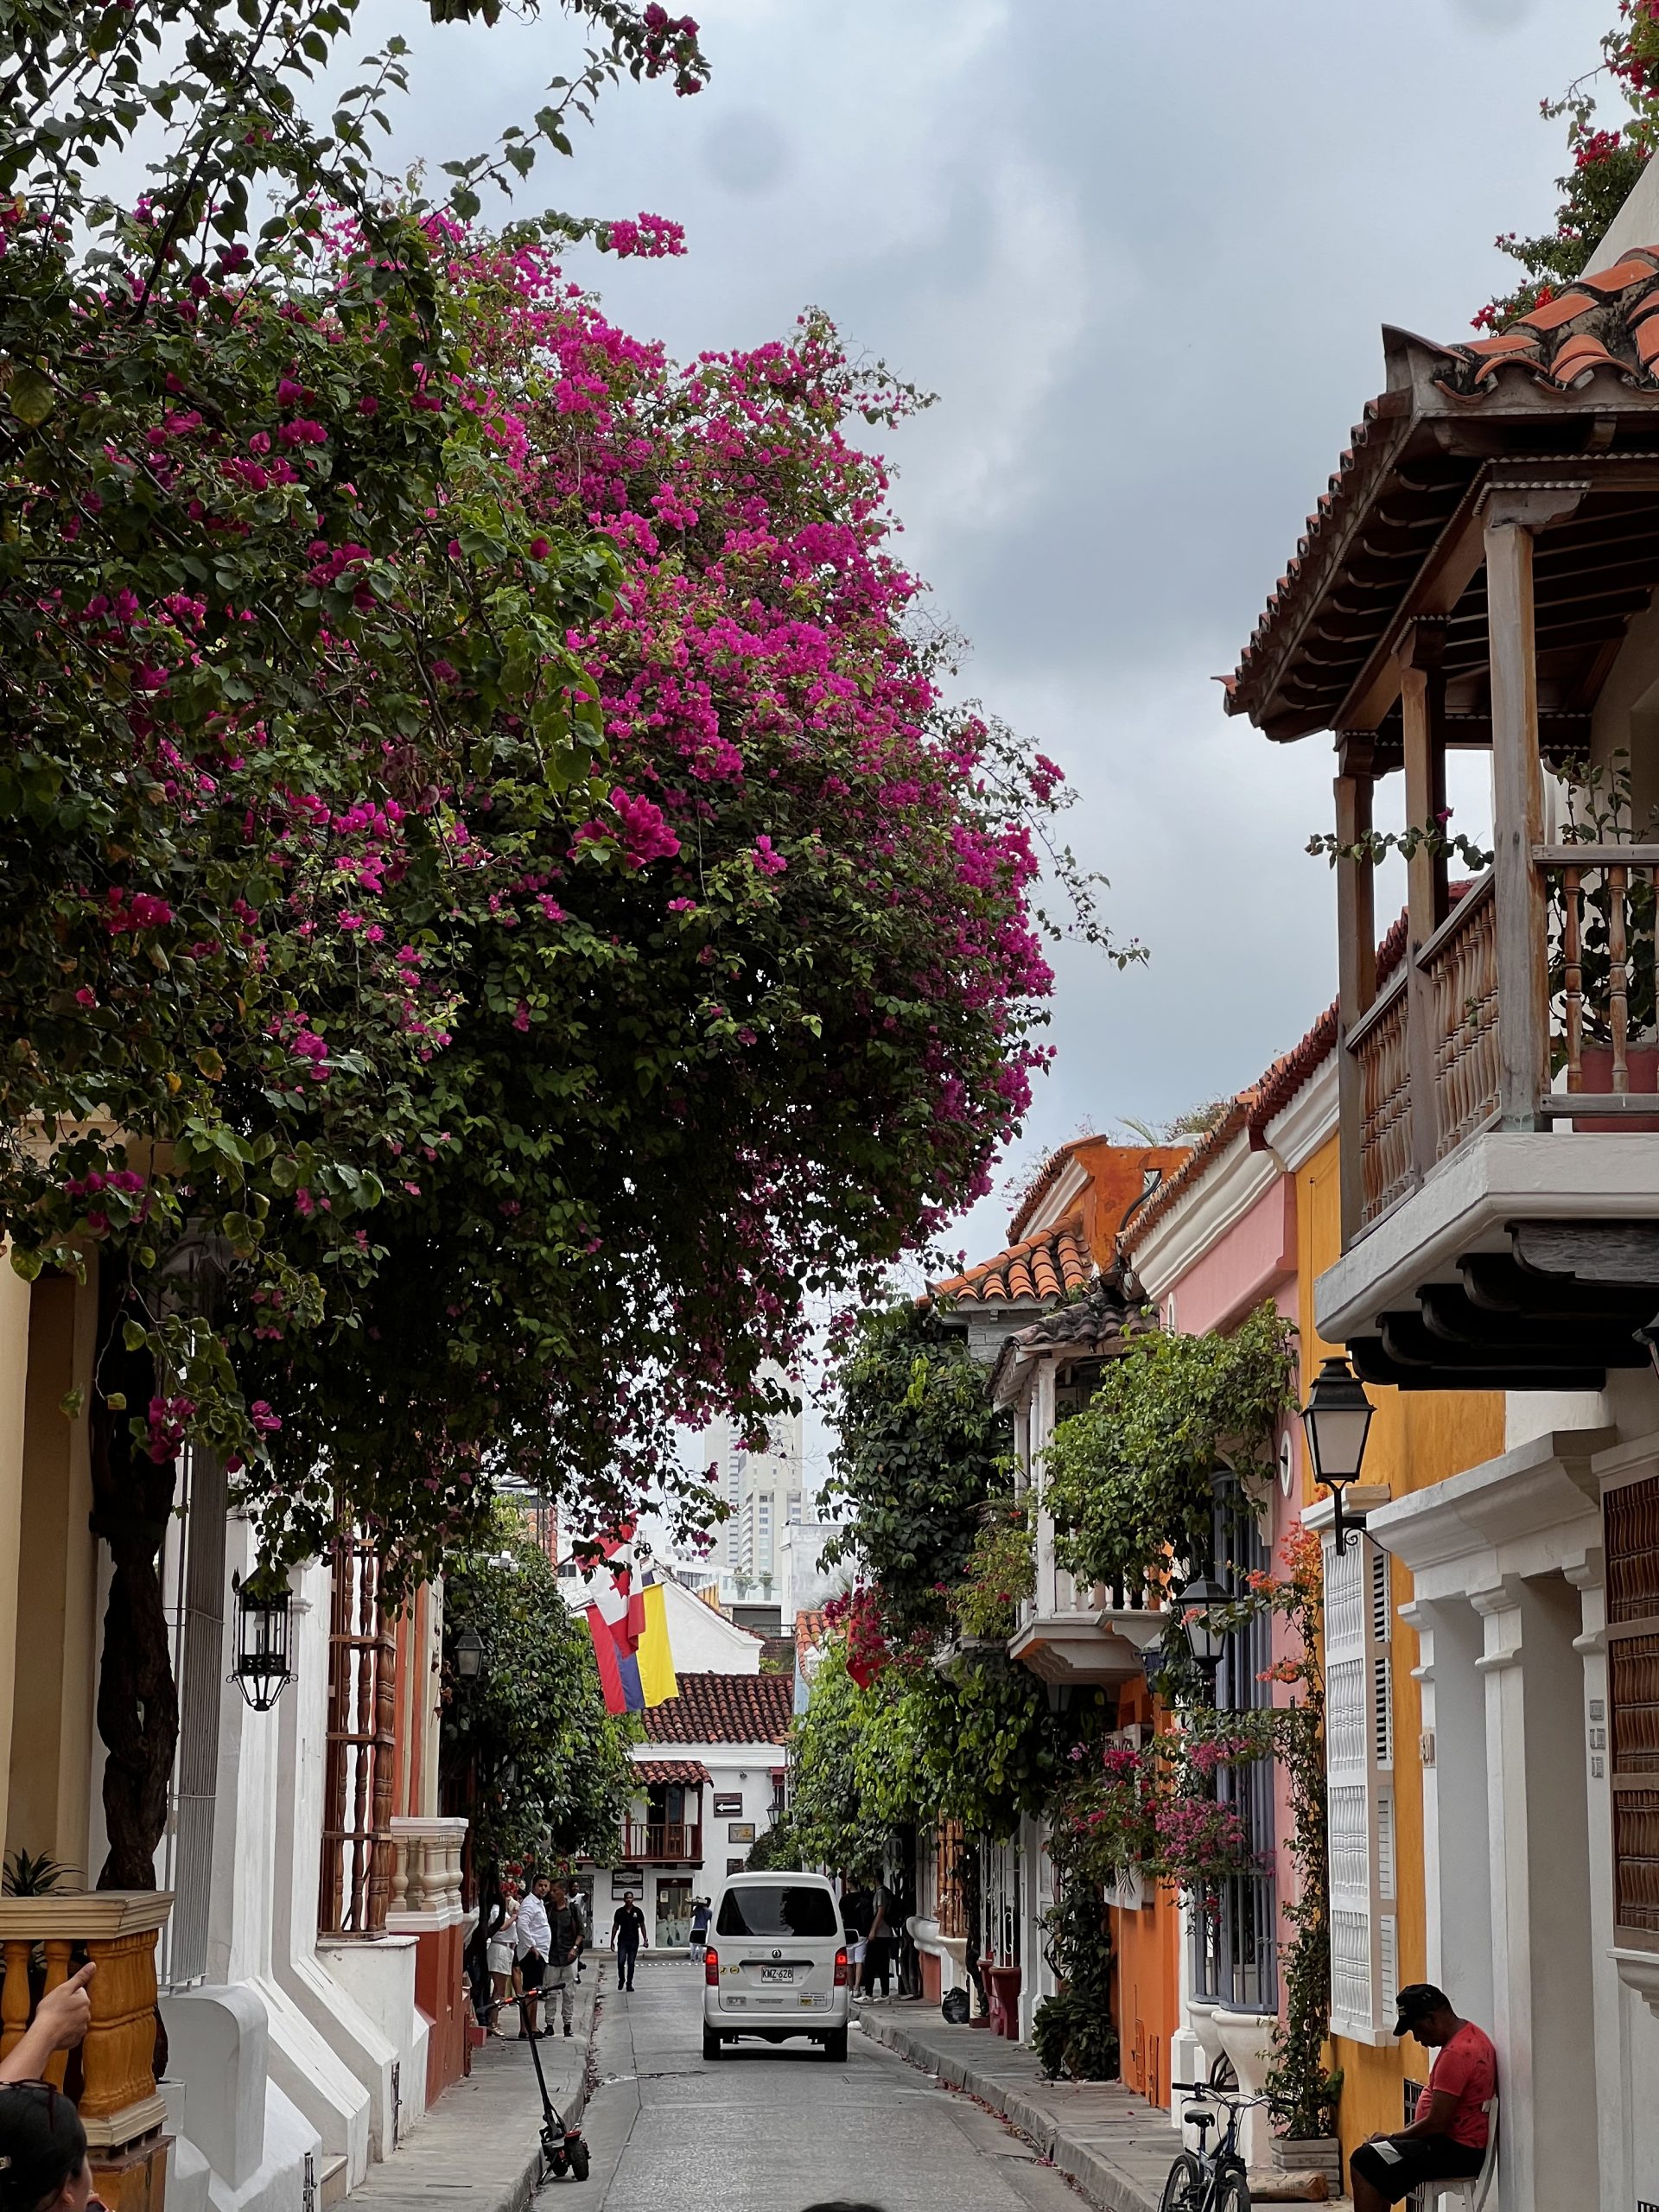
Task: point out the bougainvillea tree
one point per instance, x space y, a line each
496 912
241 515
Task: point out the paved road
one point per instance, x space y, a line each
775 2128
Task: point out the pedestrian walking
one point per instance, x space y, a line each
565 1937
878 1945
627 1927
854 1961
699 1927
500 1957
532 1942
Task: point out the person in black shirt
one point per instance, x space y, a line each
627 1927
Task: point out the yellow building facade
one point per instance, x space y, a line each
1417 1439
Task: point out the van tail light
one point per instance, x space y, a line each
840 1968
711 1968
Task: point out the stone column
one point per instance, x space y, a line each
1539 1848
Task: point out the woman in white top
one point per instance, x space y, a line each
501 1962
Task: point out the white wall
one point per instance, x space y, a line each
703 1640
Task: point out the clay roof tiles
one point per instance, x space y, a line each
724 1709
1053 1264
1598 328
665 1770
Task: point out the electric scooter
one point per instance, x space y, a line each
563 2149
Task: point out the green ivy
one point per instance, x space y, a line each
1001 1571
1130 1479
919 1450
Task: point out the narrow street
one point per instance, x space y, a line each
774 2128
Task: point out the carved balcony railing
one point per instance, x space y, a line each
425 1873
662 1842
43 1940
1588 963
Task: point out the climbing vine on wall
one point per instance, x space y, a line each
1130 1479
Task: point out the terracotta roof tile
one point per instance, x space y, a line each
724 1709
1605 307
1051 1265
664 1770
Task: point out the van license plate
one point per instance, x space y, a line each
777 1973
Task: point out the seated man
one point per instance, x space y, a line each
1447 2140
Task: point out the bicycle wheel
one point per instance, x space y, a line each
1184 2188
1234 2195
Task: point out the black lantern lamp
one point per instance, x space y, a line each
1337 1418
263 1663
469 1655
1204 1639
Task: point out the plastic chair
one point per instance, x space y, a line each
1472 2192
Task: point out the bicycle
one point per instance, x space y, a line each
1210 2181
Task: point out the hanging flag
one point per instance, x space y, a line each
610 1673
656 1660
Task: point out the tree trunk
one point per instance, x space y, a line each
138 1698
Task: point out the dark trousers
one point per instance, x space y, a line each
626 1956
878 1962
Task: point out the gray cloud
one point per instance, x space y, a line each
1143 262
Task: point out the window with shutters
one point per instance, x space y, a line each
362 1760
1359 1780
1234 1950
1631 1513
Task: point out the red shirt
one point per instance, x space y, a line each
1466 2069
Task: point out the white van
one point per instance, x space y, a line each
776 1965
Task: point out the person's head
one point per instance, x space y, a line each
42 2151
542 1885
559 1893
627 1897
1426 2013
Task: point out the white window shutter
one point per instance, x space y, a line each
1359 1758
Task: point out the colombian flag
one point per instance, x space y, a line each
658 1680
616 1620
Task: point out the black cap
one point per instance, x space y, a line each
41 2144
1415 2002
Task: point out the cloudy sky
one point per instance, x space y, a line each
1142 254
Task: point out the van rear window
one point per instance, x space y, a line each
785 1910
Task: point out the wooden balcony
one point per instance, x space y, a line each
1499 1122
111 2077
654 1843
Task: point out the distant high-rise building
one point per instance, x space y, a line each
763 1489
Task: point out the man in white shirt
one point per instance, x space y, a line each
532 1940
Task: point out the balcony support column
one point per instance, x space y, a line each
1512 516
1357 974
1422 712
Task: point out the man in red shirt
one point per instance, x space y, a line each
1447 2140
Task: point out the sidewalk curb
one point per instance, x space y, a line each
1100 2182
531 2176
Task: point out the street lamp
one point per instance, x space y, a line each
1336 1418
1204 1639
469 1655
262 1664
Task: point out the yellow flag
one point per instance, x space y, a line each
656 1661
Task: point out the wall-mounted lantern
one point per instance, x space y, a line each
263 1663
1337 1418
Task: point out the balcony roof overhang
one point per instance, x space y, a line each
1088 1647
1573 394
1521 1262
